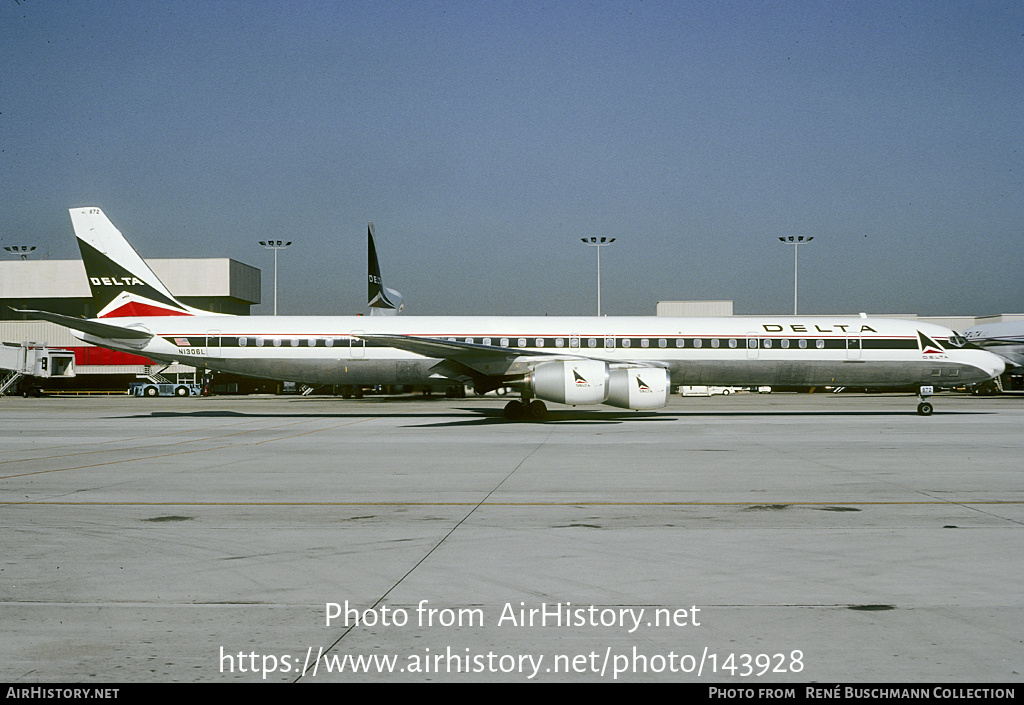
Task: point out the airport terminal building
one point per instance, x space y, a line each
60 286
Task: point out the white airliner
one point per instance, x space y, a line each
626 362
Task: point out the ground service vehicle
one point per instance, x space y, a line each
150 386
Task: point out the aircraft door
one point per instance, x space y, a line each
753 346
356 346
213 343
853 347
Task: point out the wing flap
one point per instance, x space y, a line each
488 359
482 359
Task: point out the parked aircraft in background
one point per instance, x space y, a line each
1005 339
382 300
626 362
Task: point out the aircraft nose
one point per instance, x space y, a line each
994 365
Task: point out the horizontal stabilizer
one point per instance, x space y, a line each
101 330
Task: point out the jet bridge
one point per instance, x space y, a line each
21 363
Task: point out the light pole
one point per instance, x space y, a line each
598 242
795 242
21 250
275 245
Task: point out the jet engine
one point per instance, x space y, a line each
639 388
570 381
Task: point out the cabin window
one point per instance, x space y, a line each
559 343
803 343
697 342
574 342
469 340
626 342
820 344
487 341
329 343
312 342
767 343
644 342
732 342
662 343
714 342
504 342
295 342
522 342
259 342
784 343
680 342
277 342
592 342
936 372
539 342
242 342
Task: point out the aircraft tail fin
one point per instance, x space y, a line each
122 283
382 300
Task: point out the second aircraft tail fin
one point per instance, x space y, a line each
382 300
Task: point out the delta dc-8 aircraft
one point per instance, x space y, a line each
625 362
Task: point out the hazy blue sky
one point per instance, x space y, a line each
484 139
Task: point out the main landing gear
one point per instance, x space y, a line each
534 410
925 407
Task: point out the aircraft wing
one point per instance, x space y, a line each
101 330
487 359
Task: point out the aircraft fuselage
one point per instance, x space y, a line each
811 351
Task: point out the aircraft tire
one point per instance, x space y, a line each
537 410
924 409
515 410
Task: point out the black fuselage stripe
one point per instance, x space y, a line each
552 342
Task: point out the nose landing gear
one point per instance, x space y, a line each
925 407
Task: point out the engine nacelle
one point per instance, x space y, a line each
639 388
571 381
